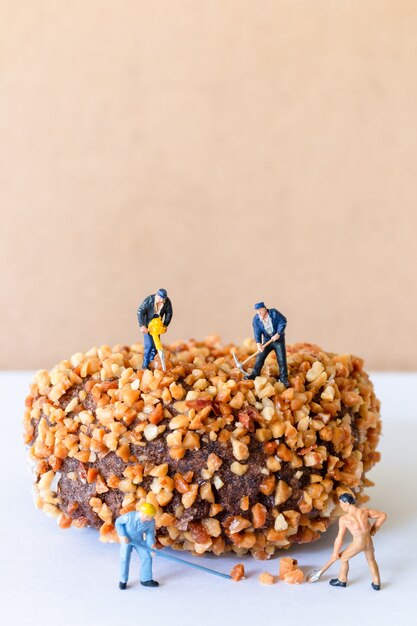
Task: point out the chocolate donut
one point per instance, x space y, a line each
229 464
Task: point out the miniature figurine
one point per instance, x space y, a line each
269 325
156 305
357 522
136 529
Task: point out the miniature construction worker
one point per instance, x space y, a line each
156 305
269 324
137 530
357 522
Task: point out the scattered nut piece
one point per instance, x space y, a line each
286 565
295 577
266 578
238 572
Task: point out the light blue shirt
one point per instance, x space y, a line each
131 526
268 325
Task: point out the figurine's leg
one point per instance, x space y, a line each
259 362
354 548
280 351
373 566
145 565
344 570
125 553
150 350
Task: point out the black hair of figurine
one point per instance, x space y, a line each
346 497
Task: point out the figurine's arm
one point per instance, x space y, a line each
339 539
150 535
380 518
282 323
141 313
168 313
257 334
121 529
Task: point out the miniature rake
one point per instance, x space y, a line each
184 562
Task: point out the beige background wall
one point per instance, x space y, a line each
229 151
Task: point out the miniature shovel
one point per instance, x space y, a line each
316 574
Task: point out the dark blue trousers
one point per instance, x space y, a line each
279 347
150 350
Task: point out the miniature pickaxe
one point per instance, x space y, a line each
156 328
240 365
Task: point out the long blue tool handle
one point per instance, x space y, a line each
205 569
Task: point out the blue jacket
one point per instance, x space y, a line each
146 311
130 525
279 323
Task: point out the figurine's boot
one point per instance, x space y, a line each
150 583
280 351
335 582
122 585
375 586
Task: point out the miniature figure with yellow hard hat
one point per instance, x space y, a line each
136 529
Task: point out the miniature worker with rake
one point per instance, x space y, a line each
137 530
358 523
269 325
156 306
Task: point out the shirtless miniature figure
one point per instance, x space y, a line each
357 522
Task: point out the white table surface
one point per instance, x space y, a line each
53 576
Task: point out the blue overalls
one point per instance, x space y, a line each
130 525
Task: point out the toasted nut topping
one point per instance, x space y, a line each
315 371
190 496
280 523
217 481
237 523
258 515
240 450
238 468
283 492
150 432
180 421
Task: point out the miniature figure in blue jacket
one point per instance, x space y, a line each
269 324
158 305
137 530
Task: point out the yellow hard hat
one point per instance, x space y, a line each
147 508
